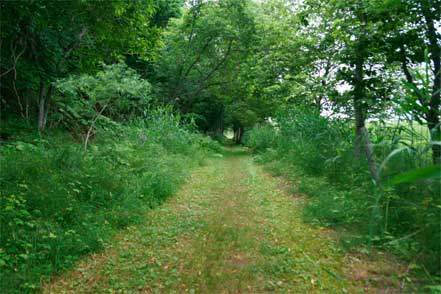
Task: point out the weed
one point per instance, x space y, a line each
60 202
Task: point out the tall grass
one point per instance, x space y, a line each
318 155
59 202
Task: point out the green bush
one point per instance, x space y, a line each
317 154
60 202
261 137
116 92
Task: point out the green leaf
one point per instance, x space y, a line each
434 288
433 171
24 256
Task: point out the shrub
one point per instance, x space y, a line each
261 137
114 93
60 202
317 153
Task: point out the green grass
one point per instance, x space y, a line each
59 202
317 155
230 229
408 130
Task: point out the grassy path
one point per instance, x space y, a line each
230 229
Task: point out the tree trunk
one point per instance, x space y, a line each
92 125
363 142
43 108
219 128
238 134
27 106
433 123
235 131
239 139
46 90
433 116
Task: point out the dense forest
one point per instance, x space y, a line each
107 108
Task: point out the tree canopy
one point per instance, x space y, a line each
233 63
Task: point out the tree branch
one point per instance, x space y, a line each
407 74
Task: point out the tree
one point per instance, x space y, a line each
354 33
412 39
116 93
45 41
202 53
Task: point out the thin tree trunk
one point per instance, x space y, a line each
46 90
47 105
219 128
41 107
27 107
235 130
238 134
239 139
92 125
363 143
433 116
20 105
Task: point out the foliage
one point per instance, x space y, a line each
60 202
261 137
80 70
46 41
317 155
202 53
286 255
117 93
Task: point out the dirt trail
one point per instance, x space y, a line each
230 229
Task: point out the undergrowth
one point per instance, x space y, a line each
59 202
317 155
